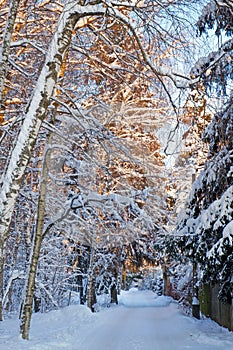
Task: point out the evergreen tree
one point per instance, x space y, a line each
206 229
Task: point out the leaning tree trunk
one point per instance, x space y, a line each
4 53
36 113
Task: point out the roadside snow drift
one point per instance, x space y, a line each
141 321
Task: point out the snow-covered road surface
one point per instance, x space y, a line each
137 328
141 321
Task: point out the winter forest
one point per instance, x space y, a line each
116 147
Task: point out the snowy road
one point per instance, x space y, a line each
136 328
141 321
146 323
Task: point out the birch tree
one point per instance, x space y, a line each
4 53
5 49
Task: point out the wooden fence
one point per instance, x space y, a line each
212 307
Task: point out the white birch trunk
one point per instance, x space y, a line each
5 49
4 53
36 112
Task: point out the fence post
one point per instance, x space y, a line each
195 301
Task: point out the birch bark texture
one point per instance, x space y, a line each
5 49
4 53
